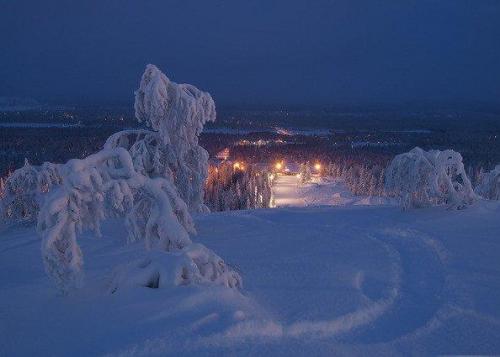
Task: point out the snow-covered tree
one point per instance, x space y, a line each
231 188
176 114
195 264
151 178
80 202
103 184
24 191
305 173
426 178
489 185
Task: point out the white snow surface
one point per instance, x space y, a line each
289 192
319 280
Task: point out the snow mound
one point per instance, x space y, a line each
193 265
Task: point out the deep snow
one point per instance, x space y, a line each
325 280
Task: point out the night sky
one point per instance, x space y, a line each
254 52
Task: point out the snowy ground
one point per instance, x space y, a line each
342 280
288 192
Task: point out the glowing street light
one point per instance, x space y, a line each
317 166
239 166
278 166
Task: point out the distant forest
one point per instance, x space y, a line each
380 133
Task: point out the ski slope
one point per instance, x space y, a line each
318 280
289 192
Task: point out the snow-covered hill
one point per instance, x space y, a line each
324 280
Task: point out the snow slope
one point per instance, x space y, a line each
365 280
288 192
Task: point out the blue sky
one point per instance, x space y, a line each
255 52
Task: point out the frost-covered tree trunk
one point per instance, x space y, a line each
427 178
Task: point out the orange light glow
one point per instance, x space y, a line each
239 166
317 166
278 166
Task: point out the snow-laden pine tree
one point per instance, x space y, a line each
427 178
145 176
489 184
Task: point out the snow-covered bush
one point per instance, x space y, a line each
194 264
427 178
23 191
489 185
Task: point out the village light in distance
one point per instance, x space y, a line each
317 166
239 166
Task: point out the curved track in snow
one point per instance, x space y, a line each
420 292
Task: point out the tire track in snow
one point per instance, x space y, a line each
336 327
421 290
358 318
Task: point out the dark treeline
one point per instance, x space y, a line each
47 144
235 186
363 175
